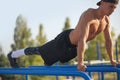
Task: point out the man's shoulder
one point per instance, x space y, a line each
89 11
88 14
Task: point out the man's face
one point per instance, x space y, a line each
108 8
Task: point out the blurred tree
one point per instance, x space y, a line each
22 35
22 39
118 43
41 37
67 24
90 53
3 59
118 38
4 63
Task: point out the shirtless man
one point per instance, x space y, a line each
71 43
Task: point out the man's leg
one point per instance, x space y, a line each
12 56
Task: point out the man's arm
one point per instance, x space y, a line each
83 35
109 44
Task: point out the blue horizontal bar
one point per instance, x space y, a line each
90 68
60 70
43 70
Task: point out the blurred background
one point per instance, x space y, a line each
25 23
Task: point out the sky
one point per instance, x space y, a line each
50 13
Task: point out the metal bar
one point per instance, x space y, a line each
48 71
26 77
60 70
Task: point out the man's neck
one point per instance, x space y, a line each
99 14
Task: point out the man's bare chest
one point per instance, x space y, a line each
96 27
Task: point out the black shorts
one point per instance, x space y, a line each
59 49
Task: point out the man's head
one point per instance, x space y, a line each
107 6
109 1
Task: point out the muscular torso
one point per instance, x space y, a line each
95 27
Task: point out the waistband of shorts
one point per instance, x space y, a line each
68 39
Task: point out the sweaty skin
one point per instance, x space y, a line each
90 24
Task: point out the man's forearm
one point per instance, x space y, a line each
109 48
80 52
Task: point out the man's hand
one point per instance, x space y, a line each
114 63
81 67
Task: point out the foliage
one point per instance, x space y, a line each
4 63
22 35
67 24
41 37
118 43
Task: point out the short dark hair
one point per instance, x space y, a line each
110 1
